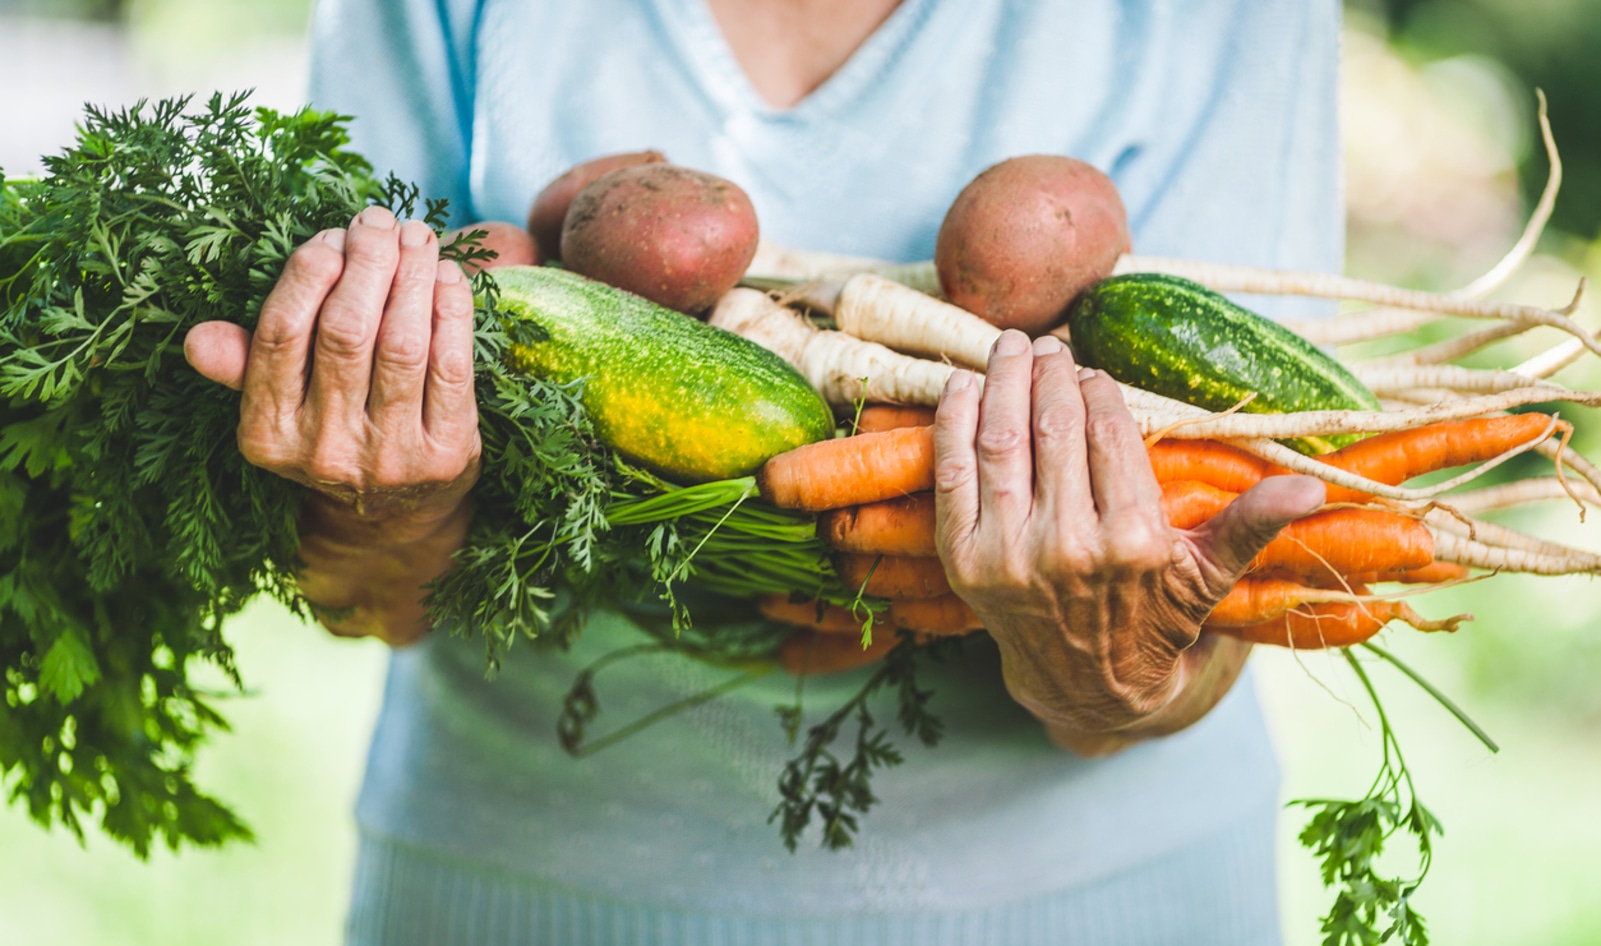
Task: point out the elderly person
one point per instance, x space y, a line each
852 124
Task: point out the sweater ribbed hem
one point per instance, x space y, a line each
1220 890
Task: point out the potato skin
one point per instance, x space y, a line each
1028 235
512 244
549 209
678 237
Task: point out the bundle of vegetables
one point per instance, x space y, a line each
1196 371
630 450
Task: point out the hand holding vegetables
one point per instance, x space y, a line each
1050 525
358 383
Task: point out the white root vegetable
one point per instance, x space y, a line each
880 310
1490 533
1385 379
1453 348
1520 252
1360 326
1572 460
773 261
1450 547
1328 423
844 369
1552 360
1521 492
1383 322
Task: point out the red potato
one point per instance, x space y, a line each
511 243
678 237
549 210
1026 237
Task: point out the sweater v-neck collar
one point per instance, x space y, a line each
700 42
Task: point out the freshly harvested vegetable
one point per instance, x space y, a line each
876 417
843 368
943 616
509 243
847 471
815 654
689 401
881 310
1256 602
678 237
1331 624
903 526
1177 338
549 210
1341 541
900 577
1026 236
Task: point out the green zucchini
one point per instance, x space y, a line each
1177 338
691 402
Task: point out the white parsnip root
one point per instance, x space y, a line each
782 263
844 369
906 320
1522 492
1450 547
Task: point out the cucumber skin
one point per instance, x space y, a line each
1177 338
692 402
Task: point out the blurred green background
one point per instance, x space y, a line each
1443 162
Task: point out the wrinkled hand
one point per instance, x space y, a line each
1051 527
358 383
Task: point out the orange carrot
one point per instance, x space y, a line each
829 619
936 617
811 653
1333 624
1348 541
1209 461
1396 457
903 526
877 417
1427 575
847 471
893 576
1188 503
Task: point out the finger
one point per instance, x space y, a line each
400 353
1229 540
1005 436
1127 494
956 463
276 371
341 368
218 351
1061 478
450 412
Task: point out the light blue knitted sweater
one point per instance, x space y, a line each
1216 119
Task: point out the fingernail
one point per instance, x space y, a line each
1011 342
1047 345
448 272
377 217
1084 374
415 233
958 381
334 238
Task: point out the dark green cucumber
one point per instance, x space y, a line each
692 402
1177 338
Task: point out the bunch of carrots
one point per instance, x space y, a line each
1306 589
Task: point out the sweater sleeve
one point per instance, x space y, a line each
403 69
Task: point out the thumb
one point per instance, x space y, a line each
218 350
1229 540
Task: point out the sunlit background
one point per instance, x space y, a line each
1443 158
